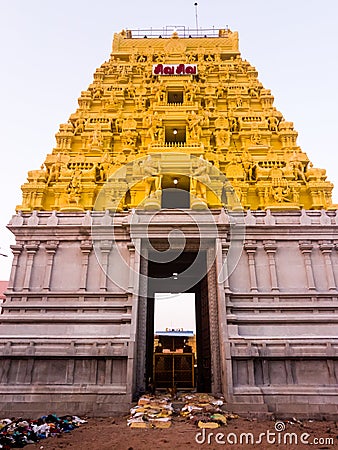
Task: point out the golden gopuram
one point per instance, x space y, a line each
158 96
175 175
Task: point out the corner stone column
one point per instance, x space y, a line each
225 272
31 249
326 248
50 247
86 247
270 248
306 249
251 247
16 250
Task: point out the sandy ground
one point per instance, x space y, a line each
113 433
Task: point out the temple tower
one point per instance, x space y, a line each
175 162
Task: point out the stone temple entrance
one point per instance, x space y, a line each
179 273
177 279
76 329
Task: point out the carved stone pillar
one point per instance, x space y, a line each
50 247
251 247
105 247
86 247
214 327
141 338
306 249
225 273
16 250
270 248
31 249
134 285
326 248
131 249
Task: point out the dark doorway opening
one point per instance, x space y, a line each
175 191
184 273
175 135
175 97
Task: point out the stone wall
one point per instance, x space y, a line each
68 327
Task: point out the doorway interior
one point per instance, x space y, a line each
181 360
175 191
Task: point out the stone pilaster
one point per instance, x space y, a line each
105 247
131 249
86 247
251 247
16 250
306 249
225 272
50 247
270 248
326 248
31 249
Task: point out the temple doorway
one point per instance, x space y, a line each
176 357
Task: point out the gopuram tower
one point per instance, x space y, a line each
175 174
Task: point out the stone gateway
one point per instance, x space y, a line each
176 174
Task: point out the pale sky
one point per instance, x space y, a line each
50 50
174 311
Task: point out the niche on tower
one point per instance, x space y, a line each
175 191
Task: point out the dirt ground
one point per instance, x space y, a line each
113 433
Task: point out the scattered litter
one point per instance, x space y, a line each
204 410
156 411
20 432
220 418
152 411
207 424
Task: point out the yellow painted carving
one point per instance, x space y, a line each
222 116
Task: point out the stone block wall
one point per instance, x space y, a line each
69 324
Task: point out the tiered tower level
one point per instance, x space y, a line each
163 95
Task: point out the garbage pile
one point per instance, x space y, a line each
156 411
204 410
152 411
20 432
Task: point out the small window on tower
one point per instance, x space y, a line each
175 97
175 135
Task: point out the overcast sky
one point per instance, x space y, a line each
50 50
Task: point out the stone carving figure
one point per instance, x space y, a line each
74 187
222 138
79 125
55 169
194 128
280 193
200 178
297 166
154 129
96 138
315 174
249 166
104 166
98 92
152 177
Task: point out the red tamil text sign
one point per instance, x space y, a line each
175 69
